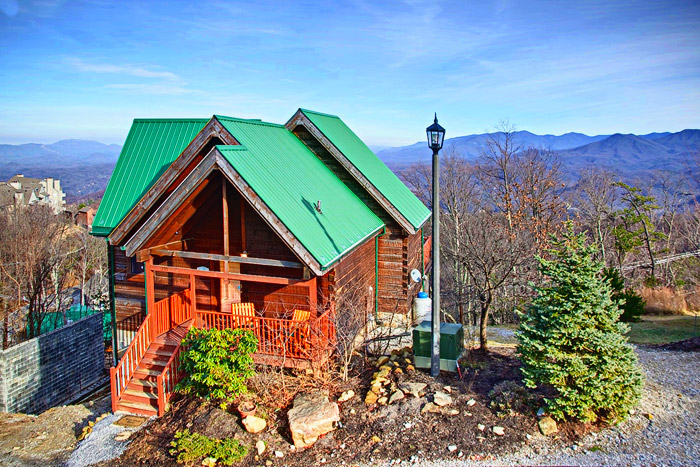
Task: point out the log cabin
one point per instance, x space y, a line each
240 223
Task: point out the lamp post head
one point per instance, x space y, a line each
436 135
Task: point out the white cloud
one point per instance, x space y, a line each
123 69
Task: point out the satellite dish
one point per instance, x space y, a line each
415 275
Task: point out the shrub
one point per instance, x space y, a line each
572 342
630 302
217 363
509 398
191 447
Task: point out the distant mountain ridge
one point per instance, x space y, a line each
83 166
627 155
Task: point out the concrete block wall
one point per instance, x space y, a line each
52 369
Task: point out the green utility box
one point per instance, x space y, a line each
451 344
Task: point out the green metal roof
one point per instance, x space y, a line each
290 179
151 146
378 174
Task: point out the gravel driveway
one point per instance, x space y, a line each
664 431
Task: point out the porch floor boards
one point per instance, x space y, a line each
140 396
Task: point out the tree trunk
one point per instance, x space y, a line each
485 309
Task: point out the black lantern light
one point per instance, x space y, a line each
436 135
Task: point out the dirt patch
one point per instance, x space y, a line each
49 438
688 345
371 434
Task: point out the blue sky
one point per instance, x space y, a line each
85 69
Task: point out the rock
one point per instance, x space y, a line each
393 357
397 396
453 412
123 436
452 448
410 368
547 426
540 412
385 370
376 439
382 360
209 461
353 411
312 416
254 424
407 360
260 446
442 399
649 416
268 463
346 396
216 423
481 427
430 407
376 388
528 436
414 389
382 400
279 454
447 389
498 430
398 371
471 403
407 425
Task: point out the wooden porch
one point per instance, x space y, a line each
145 377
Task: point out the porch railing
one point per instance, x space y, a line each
159 321
277 337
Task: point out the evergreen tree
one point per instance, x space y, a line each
630 302
571 340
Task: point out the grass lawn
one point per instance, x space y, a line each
663 329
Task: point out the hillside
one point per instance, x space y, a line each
629 155
84 167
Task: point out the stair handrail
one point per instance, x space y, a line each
121 374
133 355
171 374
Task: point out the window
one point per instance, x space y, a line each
135 267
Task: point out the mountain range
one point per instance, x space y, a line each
84 167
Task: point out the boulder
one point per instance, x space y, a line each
254 424
397 396
547 426
442 399
346 396
312 416
415 389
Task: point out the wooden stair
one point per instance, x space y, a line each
140 396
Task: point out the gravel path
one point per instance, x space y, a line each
670 438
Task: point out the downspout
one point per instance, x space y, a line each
112 306
376 275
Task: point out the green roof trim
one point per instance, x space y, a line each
151 146
290 180
376 172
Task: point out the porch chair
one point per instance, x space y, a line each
300 320
244 314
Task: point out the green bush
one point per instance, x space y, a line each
217 363
572 342
192 447
630 302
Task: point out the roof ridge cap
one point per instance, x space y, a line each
319 113
252 121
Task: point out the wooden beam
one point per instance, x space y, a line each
232 259
224 275
150 286
193 182
243 246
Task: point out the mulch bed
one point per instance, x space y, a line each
370 434
688 345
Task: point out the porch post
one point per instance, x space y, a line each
313 291
150 293
193 297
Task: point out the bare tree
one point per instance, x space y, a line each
595 200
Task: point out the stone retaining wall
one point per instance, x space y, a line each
52 369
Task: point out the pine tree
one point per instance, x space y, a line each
571 340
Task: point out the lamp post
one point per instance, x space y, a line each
436 135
